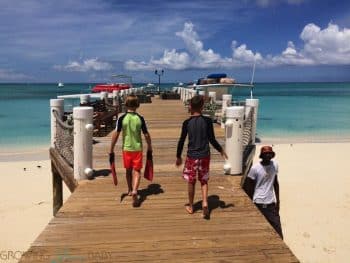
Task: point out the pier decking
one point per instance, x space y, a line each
98 224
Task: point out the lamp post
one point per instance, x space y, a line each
159 73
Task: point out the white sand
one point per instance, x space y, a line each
25 204
315 200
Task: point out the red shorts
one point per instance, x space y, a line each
194 166
132 160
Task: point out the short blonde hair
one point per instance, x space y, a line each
132 101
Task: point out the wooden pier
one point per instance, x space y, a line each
98 223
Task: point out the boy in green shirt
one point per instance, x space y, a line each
131 124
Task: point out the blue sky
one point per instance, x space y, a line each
87 41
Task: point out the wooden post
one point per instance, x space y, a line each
57 192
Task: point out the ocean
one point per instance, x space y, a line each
290 111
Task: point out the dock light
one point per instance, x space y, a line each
159 73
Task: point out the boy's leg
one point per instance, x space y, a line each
128 175
191 191
204 188
203 177
128 170
136 176
189 174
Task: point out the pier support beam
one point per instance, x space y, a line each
57 190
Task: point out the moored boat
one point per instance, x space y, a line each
218 82
115 85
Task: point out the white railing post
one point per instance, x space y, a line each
83 129
226 102
254 103
234 139
201 92
193 93
104 96
115 97
84 99
57 105
187 95
212 96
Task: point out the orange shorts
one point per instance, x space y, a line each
132 160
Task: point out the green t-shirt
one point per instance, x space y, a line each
131 123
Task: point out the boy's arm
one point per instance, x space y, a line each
214 142
250 182
115 136
146 134
249 187
276 186
181 143
148 141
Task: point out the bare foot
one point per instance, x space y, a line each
205 214
135 200
189 209
130 193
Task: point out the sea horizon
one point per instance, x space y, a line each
288 111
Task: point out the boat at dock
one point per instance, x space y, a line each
220 83
119 82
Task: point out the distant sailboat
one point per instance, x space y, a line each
60 85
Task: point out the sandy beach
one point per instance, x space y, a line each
315 200
26 200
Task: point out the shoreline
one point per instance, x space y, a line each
18 153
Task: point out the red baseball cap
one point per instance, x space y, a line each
266 149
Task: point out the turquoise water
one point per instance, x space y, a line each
286 110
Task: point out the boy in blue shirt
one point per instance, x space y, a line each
200 133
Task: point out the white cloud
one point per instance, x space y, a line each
10 75
267 3
92 64
328 46
196 56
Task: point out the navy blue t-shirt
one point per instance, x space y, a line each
200 132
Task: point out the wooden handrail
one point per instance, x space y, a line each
61 170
